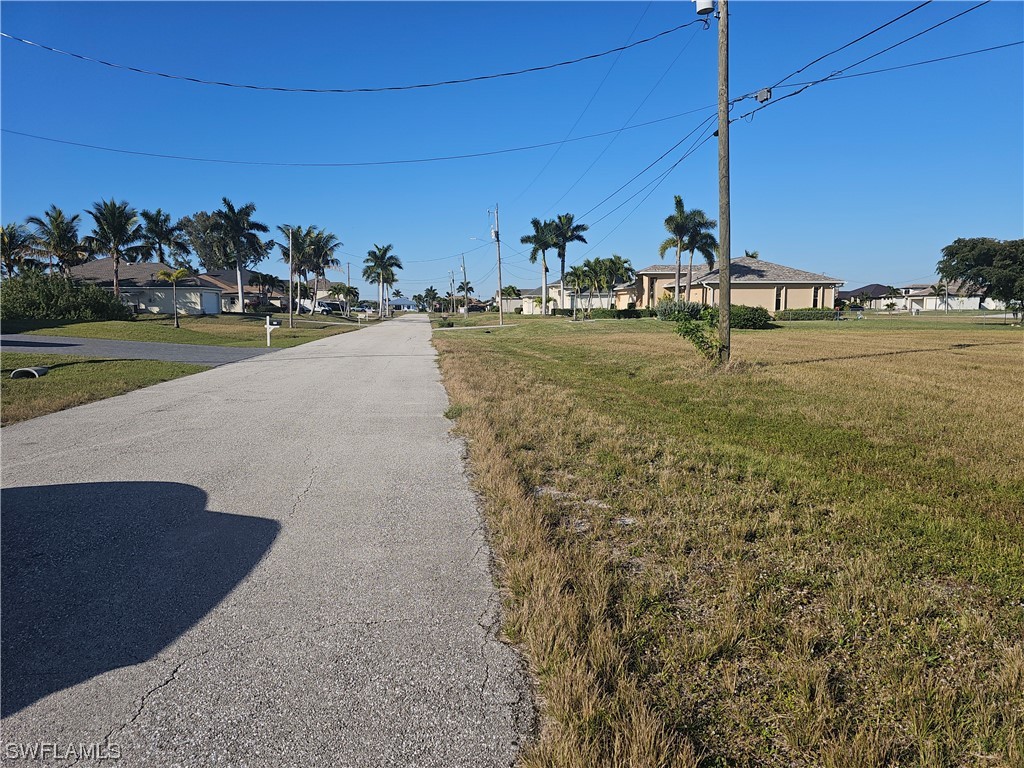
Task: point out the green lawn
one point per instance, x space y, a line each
216 330
74 381
813 558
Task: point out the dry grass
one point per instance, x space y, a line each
814 558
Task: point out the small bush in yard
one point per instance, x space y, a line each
752 318
675 311
35 296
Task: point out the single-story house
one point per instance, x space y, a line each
922 297
652 284
564 297
140 287
865 294
227 281
760 283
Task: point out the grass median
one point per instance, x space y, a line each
74 380
813 558
212 330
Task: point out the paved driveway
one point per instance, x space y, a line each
129 350
277 562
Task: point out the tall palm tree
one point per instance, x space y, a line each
117 233
380 264
341 292
164 239
567 231
16 249
322 248
56 236
941 291
465 287
752 254
542 240
689 231
300 255
241 238
173 278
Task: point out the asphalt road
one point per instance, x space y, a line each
277 562
127 350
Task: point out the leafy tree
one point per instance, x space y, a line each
993 267
566 231
164 239
56 236
173 278
204 240
542 240
16 249
240 239
378 269
689 231
117 234
35 296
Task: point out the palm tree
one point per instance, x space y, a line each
689 231
620 271
431 296
752 254
322 249
173 278
565 232
940 290
465 288
56 236
15 249
576 276
380 264
511 292
300 241
542 239
163 238
241 239
117 233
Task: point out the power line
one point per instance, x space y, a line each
852 42
584 111
282 89
837 73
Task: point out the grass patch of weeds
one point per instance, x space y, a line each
815 557
75 381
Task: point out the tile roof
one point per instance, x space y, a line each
101 272
748 270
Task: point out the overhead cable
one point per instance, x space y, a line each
282 89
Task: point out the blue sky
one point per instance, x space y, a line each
864 179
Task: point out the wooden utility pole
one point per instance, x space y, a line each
724 291
465 286
348 286
291 279
497 239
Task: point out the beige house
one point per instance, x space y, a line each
754 282
140 287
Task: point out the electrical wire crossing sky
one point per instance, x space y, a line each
892 128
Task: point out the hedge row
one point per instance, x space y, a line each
35 296
805 314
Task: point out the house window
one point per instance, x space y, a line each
814 300
778 298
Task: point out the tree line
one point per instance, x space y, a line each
228 237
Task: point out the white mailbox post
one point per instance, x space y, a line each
272 325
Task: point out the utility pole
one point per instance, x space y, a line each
291 280
451 288
465 286
497 240
348 285
724 229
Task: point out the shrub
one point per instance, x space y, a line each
744 317
35 296
675 311
266 309
805 314
561 312
518 310
445 324
604 314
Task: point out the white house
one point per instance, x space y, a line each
140 287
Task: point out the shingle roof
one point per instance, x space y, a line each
873 291
101 272
661 269
747 270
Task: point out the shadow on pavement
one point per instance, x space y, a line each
97 576
17 343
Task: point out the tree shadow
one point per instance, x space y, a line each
17 343
97 576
